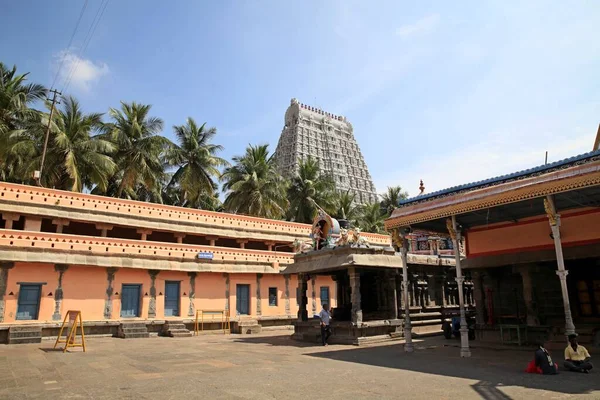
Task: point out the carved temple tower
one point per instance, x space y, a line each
328 138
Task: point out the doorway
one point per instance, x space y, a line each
28 305
172 298
130 300
242 305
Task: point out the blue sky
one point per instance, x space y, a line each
441 91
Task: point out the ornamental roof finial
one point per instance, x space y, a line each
421 187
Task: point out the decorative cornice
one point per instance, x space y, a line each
575 177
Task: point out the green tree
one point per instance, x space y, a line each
77 156
198 165
308 187
253 185
18 142
345 206
140 153
371 218
390 200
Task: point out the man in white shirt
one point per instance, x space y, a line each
325 317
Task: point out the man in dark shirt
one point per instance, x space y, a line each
544 362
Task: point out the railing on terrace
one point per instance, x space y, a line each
36 196
111 246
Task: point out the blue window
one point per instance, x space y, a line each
325 295
273 296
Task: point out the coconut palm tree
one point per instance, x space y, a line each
17 142
197 162
253 185
308 187
77 157
390 200
345 206
371 218
15 98
140 150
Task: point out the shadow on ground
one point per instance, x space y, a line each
279 340
491 368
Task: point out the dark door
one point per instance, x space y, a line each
130 301
171 299
29 301
243 299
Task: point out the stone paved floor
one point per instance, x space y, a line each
272 366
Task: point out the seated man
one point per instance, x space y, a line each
577 357
542 363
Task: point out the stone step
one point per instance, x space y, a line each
26 328
135 335
175 326
25 334
133 325
181 334
135 330
425 322
24 340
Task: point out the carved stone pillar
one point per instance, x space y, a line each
192 296
258 296
357 315
9 219
530 306
479 299
455 233
313 294
108 306
4 268
302 298
60 224
104 228
287 294
431 290
393 295
562 273
58 293
144 233
227 292
152 306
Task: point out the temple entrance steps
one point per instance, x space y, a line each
247 326
426 323
175 329
24 334
132 330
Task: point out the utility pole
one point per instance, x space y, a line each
38 174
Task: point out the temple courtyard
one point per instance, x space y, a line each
272 366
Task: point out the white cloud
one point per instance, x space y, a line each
83 73
424 25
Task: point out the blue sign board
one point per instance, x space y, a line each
205 255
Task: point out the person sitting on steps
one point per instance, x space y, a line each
577 358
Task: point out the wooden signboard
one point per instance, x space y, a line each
71 322
211 316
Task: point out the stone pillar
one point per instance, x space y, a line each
9 219
313 295
108 306
455 233
270 245
104 228
179 236
258 296
287 294
302 298
58 293
144 233
192 296
562 273
393 295
152 307
530 307
431 289
4 268
227 300
479 299
212 240
402 243
242 243
60 224
355 299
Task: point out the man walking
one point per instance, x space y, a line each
325 317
